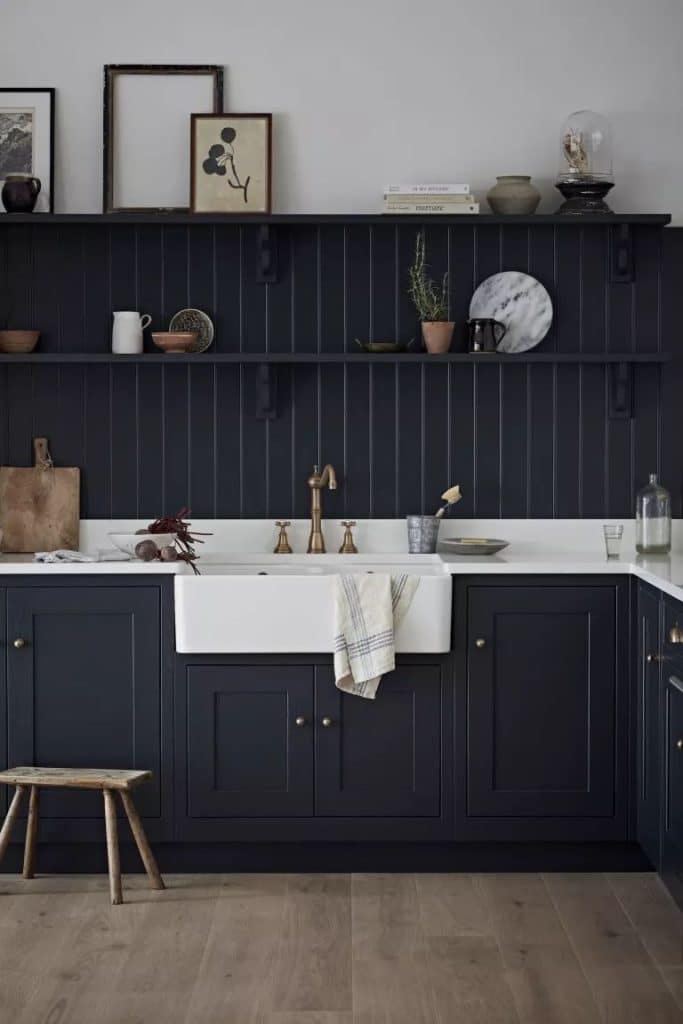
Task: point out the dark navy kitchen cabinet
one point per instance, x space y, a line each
380 757
267 749
541 712
249 741
84 689
648 744
672 816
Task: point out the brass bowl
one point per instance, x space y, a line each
384 346
175 341
18 341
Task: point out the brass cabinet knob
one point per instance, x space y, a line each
652 657
19 643
480 643
300 720
676 634
679 744
326 722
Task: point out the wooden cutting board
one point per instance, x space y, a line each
39 507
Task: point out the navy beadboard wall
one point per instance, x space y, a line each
522 440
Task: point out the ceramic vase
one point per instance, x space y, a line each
20 192
437 335
512 194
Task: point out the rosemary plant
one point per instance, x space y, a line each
429 298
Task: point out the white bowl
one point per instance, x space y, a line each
127 542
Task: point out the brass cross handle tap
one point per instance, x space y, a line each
282 547
348 547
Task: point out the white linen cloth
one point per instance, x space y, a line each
368 608
62 555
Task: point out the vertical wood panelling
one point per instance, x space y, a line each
463 436
96 483
124 434
227 271
150 442
671 420
487 441
201 441
514 440
521 440
409 440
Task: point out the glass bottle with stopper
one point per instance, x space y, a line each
653 519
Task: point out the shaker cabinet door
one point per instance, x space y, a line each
84 690
541 703
247 740
382 757
648 744
672 834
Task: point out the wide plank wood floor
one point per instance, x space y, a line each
342 949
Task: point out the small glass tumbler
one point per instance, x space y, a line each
613 535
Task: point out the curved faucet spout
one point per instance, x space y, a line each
316 482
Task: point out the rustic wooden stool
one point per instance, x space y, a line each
109 781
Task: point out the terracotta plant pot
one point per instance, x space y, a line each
437 335
18 341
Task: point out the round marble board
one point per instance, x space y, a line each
520 302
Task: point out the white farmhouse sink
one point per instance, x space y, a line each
283 604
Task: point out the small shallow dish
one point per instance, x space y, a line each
175 341
194 320
127 542
18 341
384 346
474 545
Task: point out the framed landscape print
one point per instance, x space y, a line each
27 139
147 110
230 163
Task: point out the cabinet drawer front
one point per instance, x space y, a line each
541 701
246 756
85 691
380 758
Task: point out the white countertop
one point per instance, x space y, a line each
24 565
553 547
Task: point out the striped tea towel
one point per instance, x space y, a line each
367 610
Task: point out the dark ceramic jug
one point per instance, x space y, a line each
20 192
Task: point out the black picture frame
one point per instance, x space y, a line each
50 92
111 72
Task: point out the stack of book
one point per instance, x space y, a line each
428 199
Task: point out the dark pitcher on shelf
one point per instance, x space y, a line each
485 334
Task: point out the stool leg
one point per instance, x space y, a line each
8 825
31 833
112 848
141 841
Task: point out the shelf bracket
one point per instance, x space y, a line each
621 254
266 391
266 255
620 391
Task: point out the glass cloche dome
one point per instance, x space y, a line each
585 173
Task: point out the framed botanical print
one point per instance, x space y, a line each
147 109
27 136
230 163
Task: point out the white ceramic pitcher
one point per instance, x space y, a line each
126 335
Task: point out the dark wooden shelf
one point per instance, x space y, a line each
312 219
284 358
